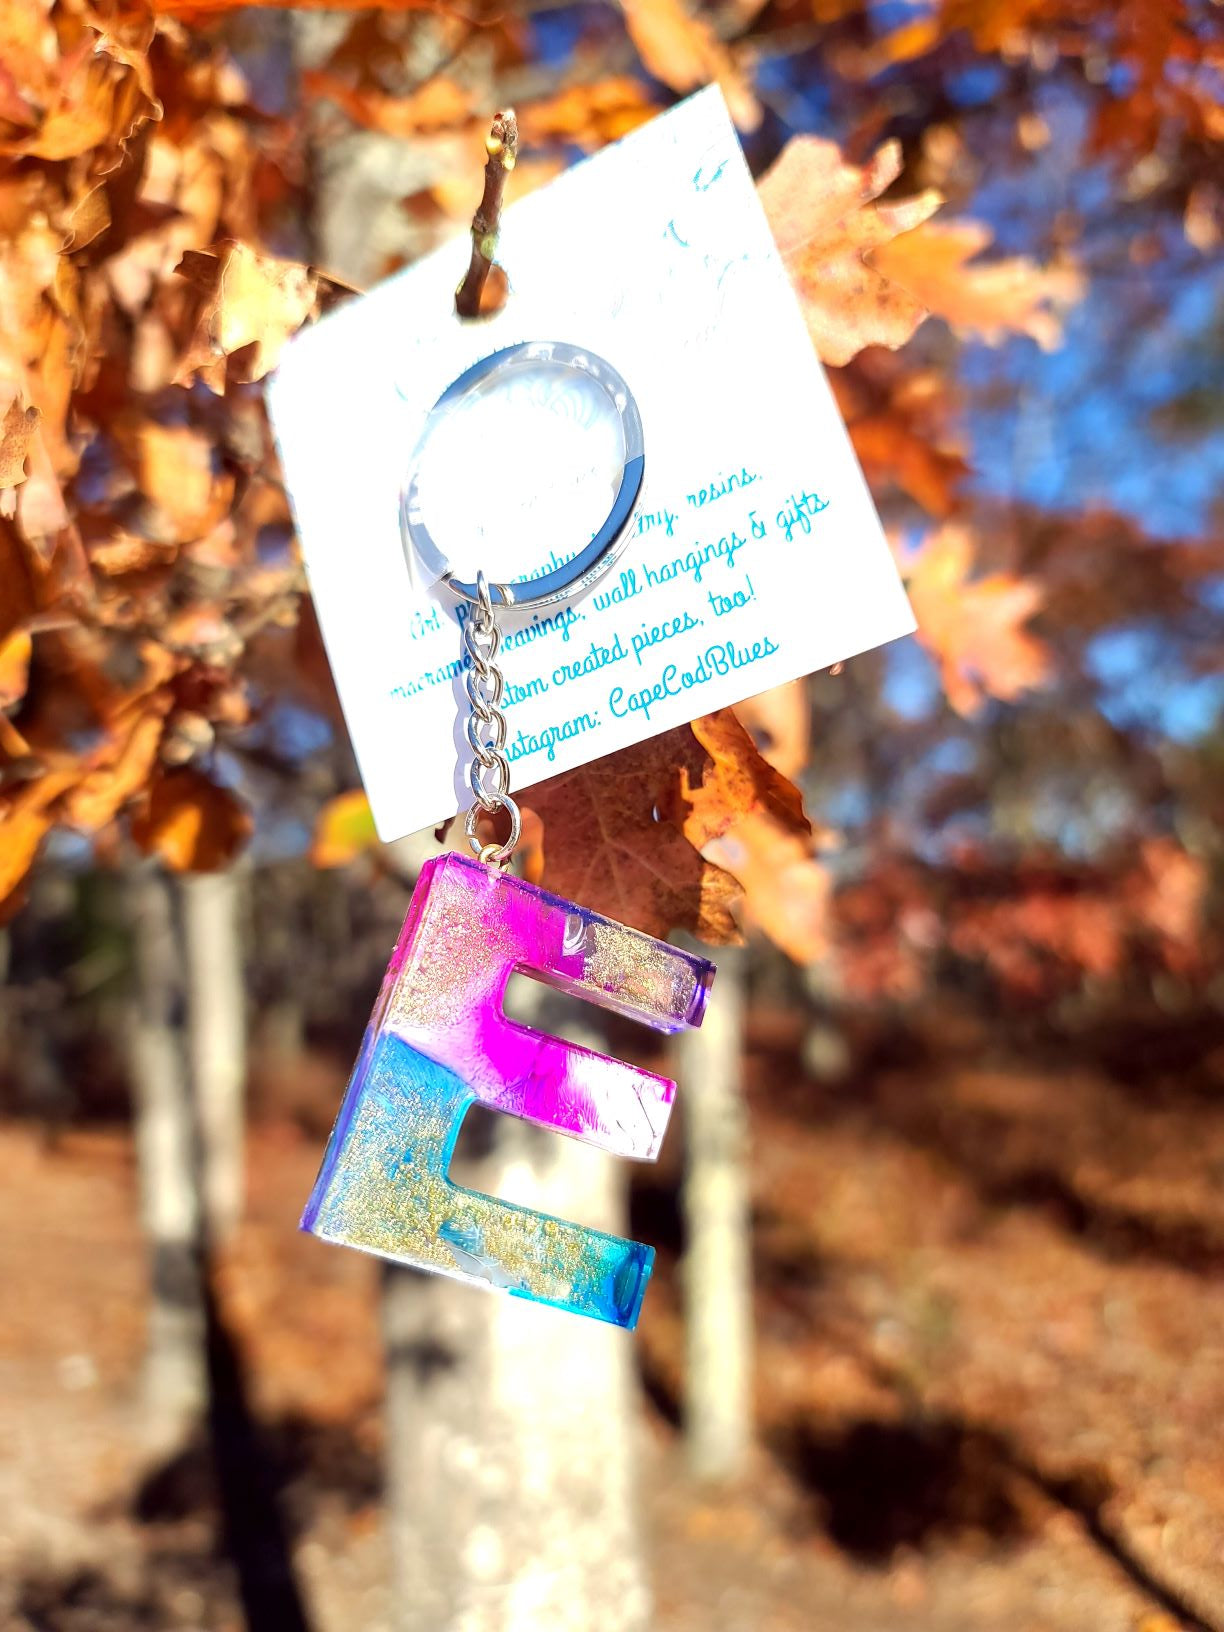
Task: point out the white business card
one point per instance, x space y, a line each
753 554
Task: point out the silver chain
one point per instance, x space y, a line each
489 772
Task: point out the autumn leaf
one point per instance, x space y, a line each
212 8
15 654
749 819
612 840
243 302
178 471
190 823
438 105
779 722
17 430
344 830
990 299
822 213
683 51
974 628
102 793
635 835
93 89
20 598
906 427
592 114
36 577
25 820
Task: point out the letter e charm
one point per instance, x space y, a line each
438 1040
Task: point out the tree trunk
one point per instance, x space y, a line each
717 1267
175 1383
216 1039
512 1427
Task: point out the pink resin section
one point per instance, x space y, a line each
468 929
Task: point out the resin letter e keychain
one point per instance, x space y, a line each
438 1039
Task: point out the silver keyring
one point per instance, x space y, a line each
609 538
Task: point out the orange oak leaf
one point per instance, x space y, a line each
990 299
438 105
193 825
242 302
15 654
26 818
177 469
102 793
974 628
749 819
591 115
613 840
779 722
684 52
907 428
344 830
822 213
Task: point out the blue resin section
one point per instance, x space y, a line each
384 1187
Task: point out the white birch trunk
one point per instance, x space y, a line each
512 1430
175 1379
216 1039
717 1267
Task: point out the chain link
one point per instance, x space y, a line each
489 772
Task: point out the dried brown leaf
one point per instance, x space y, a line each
612 841
15 652
177 469
17 431
193 825
242 302
748 818
635 836
103 792
593 114
974 628
26 817
779 722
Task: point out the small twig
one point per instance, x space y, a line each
502 147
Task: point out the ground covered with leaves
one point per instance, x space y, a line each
990 1324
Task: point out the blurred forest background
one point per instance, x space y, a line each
936 1340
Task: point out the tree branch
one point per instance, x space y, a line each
502 147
